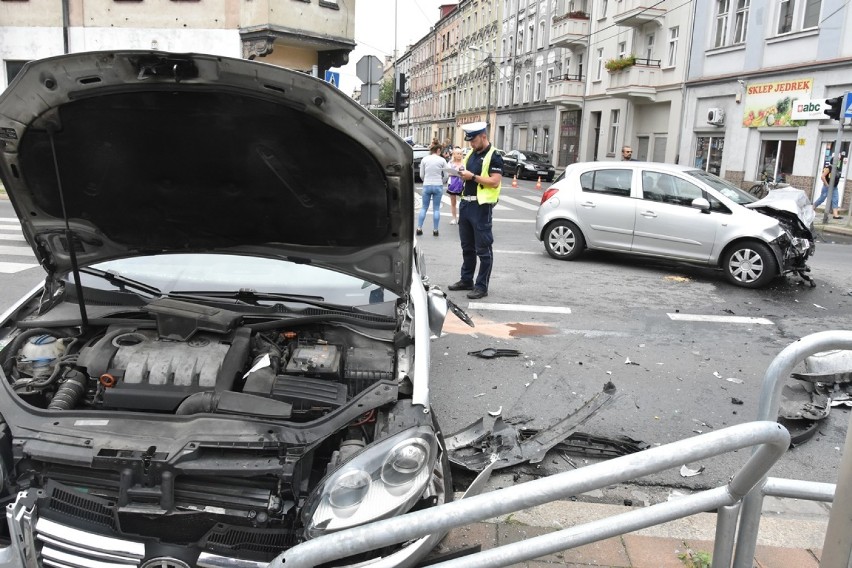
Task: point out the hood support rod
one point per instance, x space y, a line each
72 249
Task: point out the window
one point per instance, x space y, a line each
520 46
527 87
649 47
599 65
541 35
517 98
622 49
776 160
708 154
723 8
535 140
546 148
794 16
673 35
530 36
614 117
537 90
603 8
500 93
610 182
741 21
13 67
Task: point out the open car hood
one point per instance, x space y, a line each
156 153
789 200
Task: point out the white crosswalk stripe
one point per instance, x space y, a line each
518 203
15 251
12 267
11 232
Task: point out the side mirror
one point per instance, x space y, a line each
702 204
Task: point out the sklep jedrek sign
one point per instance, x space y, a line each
771 104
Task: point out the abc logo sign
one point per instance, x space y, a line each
808 107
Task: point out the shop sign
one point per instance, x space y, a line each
771 104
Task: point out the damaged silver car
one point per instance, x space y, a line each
677 213
230 350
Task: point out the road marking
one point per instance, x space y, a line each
518 203
536 198
518 308
720 319
516 252
12 267
10 228
10 220
16 251
12 238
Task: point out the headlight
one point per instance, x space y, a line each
529 166
383 480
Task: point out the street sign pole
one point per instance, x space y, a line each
837 161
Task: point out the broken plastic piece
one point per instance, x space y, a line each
490 353
497 412
688 472
735 380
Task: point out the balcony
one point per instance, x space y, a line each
639 81
567 90
570 30
636 13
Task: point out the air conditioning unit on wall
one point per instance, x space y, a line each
716 116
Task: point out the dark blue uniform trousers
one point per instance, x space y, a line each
476 239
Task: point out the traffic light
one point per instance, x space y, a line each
833 110
400 101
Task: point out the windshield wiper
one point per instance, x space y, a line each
123 283
252 297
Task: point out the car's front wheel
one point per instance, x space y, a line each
563 240
520 172
750 264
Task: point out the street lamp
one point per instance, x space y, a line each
490 62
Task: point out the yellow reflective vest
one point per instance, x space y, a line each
485 194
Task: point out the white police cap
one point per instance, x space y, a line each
474 129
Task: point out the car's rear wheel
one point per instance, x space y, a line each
750 264
563 240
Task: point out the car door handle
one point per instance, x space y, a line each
588 204
648 214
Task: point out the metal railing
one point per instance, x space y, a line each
745 490
770 438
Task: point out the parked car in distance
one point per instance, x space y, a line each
531 165
420 152
677 213
229 354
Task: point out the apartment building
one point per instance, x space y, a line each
749 61
528 61
446 72
305 35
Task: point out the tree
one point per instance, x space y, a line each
385 100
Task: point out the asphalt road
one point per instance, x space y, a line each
578 323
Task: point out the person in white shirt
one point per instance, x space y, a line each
434 177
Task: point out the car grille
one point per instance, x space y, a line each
66 547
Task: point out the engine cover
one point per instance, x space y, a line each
139 370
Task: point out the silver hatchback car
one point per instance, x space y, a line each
678 213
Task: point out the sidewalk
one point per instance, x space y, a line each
791 536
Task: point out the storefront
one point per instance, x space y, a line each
742 130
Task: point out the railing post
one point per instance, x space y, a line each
770 400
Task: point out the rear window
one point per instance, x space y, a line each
610 182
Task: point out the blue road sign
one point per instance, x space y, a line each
847 105
332 77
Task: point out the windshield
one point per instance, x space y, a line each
535 156
230 273
726 188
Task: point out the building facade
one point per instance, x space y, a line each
528 61
307 36
749 62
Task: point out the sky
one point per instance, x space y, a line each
374 31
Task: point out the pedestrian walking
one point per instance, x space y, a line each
626 154
456 184
482 175
434 177
826 178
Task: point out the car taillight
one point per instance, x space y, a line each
550 192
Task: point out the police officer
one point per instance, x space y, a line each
482 173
